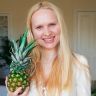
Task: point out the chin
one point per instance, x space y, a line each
50 47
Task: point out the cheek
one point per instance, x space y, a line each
36 35
57 30
58 37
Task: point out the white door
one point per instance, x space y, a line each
85 38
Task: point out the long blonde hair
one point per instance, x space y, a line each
64 71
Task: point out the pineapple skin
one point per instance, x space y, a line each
18 79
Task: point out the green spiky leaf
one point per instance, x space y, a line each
19 53
23 42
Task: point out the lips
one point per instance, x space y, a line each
49 39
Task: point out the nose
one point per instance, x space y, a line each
47 31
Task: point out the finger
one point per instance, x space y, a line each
15 93
18 91
12 93
6 80
6 83
25 93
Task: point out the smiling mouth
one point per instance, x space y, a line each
49 39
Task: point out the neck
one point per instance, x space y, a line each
47 58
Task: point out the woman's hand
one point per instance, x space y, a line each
16 93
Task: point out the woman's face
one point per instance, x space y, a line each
46 29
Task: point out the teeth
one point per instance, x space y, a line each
49 40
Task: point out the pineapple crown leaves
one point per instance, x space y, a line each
20 51
20 66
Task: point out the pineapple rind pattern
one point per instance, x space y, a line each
15 80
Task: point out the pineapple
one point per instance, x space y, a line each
21 63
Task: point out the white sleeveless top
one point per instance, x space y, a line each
81 82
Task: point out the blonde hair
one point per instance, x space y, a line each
64 71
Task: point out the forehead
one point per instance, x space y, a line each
44 13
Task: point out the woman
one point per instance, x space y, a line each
59 71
